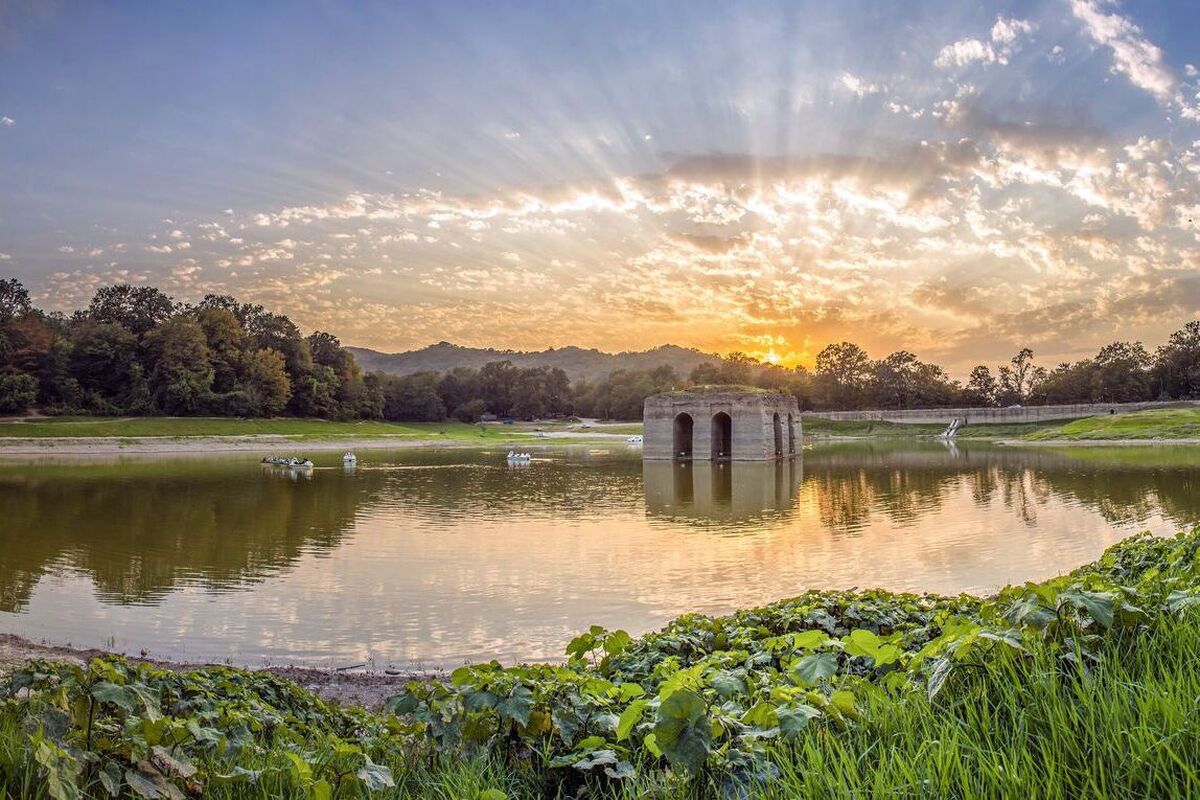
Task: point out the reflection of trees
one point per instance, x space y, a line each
139 537
853 482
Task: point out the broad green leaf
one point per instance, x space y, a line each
630 717
517 705
631 690
120 696
807 640
375 776
110 778
794 719
812 669
683 731
479 700
727 683
762 714
843 701
616 642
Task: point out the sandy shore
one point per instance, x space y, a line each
267 443
348 687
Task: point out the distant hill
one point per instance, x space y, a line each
577 362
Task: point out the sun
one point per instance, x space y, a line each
772 358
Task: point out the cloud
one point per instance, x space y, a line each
7 122
1004 41
859 86
1134 56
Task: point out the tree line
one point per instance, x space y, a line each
134 350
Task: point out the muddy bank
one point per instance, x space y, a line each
348 687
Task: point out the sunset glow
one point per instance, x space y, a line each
959 183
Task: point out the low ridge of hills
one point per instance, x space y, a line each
579 363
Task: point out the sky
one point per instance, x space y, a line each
956 179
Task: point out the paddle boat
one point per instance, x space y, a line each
634 440
349 458
514 456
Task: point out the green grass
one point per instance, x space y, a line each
818 427
1085 685
1166 423
178 427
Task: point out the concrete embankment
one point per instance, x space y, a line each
983 416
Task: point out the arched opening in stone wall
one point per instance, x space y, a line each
682 441
778 434
791 435
722 436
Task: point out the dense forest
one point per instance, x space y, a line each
136 351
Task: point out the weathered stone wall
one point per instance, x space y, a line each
752 424
978 416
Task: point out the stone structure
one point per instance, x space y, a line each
718 423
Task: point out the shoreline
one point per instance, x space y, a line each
364 688
242 443
263 443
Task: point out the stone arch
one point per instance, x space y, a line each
722 436
791 435
778 426
682 439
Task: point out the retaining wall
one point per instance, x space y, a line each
978 416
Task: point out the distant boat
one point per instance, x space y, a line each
349 458
513 456
284 461
300 463
634 440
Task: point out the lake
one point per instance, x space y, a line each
423 558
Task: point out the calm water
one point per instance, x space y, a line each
421 558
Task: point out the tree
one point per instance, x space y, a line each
181 378
413 398
1122 373
1176 371
843 370
135 308
100 361
264 380
226 343
14 299
981 387
17 393
1019 377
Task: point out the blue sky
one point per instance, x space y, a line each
958 179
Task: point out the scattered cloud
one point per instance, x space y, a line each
1133 55
7 122
1003 42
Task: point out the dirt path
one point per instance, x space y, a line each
348 687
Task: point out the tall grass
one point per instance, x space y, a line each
1019 726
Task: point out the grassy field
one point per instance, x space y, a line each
1085 685
178 427
818 427
1167 423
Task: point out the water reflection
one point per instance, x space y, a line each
436 557
141 530
730 493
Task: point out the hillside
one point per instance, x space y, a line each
577 362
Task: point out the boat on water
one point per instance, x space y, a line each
514 456
634 439
284 461
349 458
